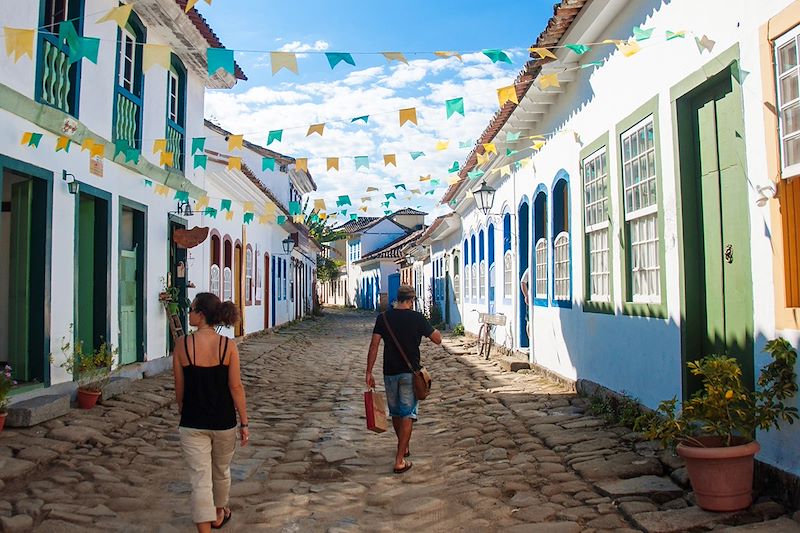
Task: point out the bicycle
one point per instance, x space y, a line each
486 331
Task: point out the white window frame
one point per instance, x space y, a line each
123 80
561 267
173 84
482 281
456 278
508 275
248 274
596 216
213 280
540 258
645 259
475 282
467 283
227 284
792 35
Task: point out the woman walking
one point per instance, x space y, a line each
209 391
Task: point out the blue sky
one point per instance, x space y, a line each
375 87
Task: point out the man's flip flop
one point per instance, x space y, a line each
407 454
406 467
226 515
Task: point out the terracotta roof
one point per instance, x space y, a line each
436 223
564 14
213 41
354 226
408 211
394 249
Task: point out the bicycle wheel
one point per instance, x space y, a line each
479 346
489 342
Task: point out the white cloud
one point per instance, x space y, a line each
299 47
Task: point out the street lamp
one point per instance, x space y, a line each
288 245
72 184
484 197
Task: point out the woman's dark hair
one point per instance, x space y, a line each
216 311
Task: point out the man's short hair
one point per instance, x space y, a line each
406 293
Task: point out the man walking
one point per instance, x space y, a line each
409 327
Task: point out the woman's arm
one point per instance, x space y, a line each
177 372
237 392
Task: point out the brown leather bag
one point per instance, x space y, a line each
422 378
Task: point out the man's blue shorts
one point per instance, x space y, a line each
400 395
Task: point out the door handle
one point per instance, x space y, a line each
729 254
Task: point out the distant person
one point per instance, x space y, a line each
209 391
409 327
525 287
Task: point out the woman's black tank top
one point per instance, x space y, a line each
207 400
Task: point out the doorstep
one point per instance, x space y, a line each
27 413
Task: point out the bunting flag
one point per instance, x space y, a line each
497 55
363 208
549 80
353 216
301 163
464 144
268 163
225 205
280 60
316 128
452 180
361 161
704 43
365 199
31 139
229 215
641 34
628 48
332 163
181 196
319 205
512 137
63 143
386 203
210 212
148 183
675 34
442 145
79 47
343 200
235 142
166 159
248 207
269 210
389 159
579 49
446 54
592 64
189 5
263 219
543 53
400 186
248 218
118 14
389 195
198 144
489 148
156 54
435 182
425 178
161 190
89 143
274 135
510 152
334 58
416 191
416 155
475 174
219 58
482 158
395 56
454 167
159 145
98 150
294 208
364 119
430 192
280 219
537 145
372 189
201 203
234 163
507 94
455 105
19 42
408 115
120 147
200 161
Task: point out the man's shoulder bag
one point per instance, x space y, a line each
422 378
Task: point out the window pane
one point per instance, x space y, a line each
789 89
791 151
791 119
787 57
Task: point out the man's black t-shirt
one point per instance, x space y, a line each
409 327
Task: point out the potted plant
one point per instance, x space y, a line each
6 383
92 369
715 429
170 296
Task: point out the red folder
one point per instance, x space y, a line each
375 406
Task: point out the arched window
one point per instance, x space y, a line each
214 278
456 277
176 112
540 248
128 90
227 272
508 264
481 266
474 268
562 283
466 271
248 275
259 273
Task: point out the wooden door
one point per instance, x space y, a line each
128 313
237 288
716 227
20 280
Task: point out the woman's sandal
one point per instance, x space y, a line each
406 467
226 515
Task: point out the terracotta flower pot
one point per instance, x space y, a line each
721 476
87 398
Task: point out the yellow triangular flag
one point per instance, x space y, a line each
425 178
19 42
118 14
448 54
87 144
269 209
416 191
389 159
442 145
189 5
538 145
505 169
62 143
543 52
298 219
166 158
333 163
279 60
159 145
395 56
506 94
161 190
489 148
482 158
319 204
453 179
228 214
548 80
469 194
301 163
156 54
524 163
323 216
408 115
365 199
315 128
263 219
363 209
235 142
628 48
248 207
372 189
98 150
26 137
234 162
201 203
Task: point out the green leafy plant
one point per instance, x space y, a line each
328 269
724 407
91 368
458 329
6 384
171 295
623 410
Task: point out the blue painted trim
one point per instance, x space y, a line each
561 175
523 262
541 189
180 125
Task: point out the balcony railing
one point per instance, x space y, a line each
175 145
56 85
127 126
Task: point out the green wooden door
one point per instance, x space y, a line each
84 324
723 226
19 280
128 291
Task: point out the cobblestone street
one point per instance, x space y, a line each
493 451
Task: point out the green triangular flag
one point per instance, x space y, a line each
496 55
641 34
132 155
343 211
512 137
400 186
353 216
198 144
225 205
280 219
268 163
364 118
200 161
294 208
592 64
210 212
385 204
456 105
430 191
120 147
675 35
474 174
248 218
390 195
219 58
274 135
579 49
387 212
148 183
334 58
182 196
435 181
35 139
343 200
465 144
362 161
454 167
415 155
509 151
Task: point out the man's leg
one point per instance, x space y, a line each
397 424
402 427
